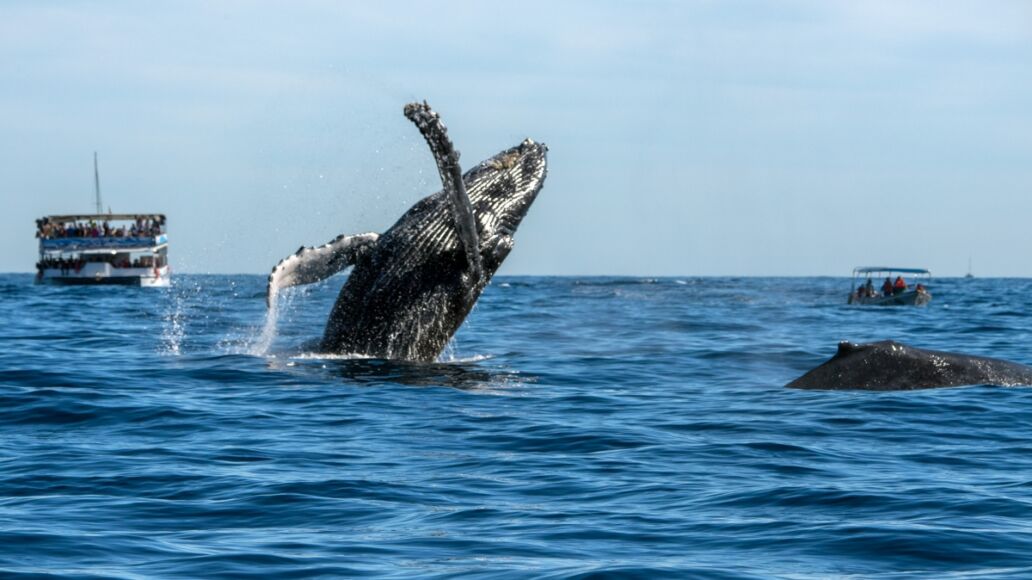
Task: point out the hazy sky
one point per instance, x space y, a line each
686 138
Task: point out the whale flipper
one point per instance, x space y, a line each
447 158
313 264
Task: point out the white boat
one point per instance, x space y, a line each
127 249
103 248
864 291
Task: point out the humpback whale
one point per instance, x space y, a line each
891 366
412 286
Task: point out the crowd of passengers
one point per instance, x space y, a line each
888 288
141 228
68 265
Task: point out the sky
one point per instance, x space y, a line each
686 137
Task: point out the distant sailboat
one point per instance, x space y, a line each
969 274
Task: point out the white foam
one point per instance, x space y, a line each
329 356
468 359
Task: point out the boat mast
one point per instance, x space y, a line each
96 184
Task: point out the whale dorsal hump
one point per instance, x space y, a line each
313 264
846 348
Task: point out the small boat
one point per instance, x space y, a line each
864 291
103 248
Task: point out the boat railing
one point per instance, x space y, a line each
101 243
105 269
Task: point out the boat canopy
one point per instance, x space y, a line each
871 269
100 217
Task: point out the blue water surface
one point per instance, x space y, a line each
576 427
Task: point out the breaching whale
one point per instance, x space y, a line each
412 286
891 366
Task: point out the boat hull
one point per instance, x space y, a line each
142 277
910 298
113 281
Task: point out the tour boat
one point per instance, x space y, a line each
128 249
103 248
867 290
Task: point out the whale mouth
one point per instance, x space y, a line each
504 187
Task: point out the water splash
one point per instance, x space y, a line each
173 327
330 356
448 354
261 345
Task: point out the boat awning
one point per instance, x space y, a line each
101 217
870 269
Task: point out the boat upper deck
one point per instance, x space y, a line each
101 233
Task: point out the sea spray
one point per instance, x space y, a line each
263 342
173 327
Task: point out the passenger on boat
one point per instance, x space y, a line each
869 289
886 288
899 286
921 289
48 230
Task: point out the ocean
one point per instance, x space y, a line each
575 428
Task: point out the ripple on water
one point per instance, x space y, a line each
577 428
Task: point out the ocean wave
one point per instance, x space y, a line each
631 427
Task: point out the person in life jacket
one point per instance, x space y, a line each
900 285
886 288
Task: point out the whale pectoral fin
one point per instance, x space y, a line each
447 158
313 264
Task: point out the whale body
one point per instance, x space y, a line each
890 366
412 286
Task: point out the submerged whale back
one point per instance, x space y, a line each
889 365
